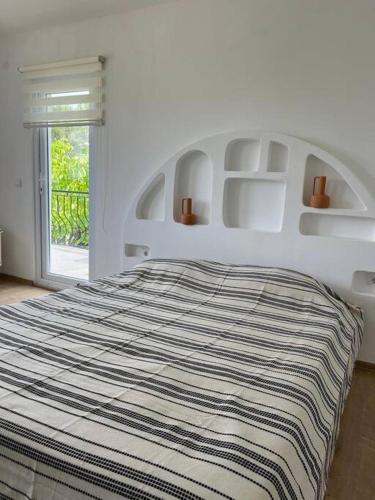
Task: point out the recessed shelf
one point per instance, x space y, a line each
364 282
278 156
242 155
194 180
151 206
254 204
338 226
341 194
136 250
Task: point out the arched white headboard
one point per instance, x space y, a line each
250 191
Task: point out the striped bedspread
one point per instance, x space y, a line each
177 379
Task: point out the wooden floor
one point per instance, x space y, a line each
13 290
352 474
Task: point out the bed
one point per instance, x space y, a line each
175 379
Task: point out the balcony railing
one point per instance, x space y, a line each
70 218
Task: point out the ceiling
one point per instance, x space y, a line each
24 15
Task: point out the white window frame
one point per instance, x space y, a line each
42 276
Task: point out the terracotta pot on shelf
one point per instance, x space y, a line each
319 199
187 216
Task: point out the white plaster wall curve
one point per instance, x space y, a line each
258 217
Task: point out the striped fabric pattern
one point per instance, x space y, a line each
176 379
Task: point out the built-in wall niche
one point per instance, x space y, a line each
278 156
341 194
254 204
364 282
151 205
242 155
136 250
338 226
194 180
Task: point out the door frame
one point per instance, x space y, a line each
50 280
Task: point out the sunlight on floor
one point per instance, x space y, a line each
70 261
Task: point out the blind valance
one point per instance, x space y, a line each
64 93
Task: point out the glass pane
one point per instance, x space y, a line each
69 201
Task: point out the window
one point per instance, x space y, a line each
63 101
69 201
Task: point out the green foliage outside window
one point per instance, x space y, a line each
69 153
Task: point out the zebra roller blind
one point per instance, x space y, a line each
65 93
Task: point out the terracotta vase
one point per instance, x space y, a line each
319 199
187 216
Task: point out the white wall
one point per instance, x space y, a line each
188 69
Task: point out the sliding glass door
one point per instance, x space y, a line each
64 189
